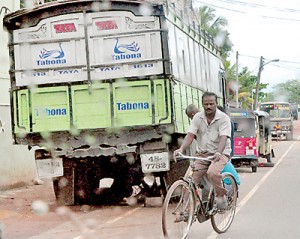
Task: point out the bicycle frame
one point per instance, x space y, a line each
205 208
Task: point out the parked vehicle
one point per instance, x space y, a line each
280 113
294 111
245 144
103 91
263 137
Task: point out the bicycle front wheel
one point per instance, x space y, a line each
222 219
178 211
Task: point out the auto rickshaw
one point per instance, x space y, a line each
245 141
264 137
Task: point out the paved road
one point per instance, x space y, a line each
267 208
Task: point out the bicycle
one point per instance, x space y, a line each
184 203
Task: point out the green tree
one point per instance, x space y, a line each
269 96
246 84
209 21
245 100
230 77
214 26
287 91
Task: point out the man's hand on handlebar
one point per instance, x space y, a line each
217 156
176 153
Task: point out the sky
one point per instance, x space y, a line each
268 28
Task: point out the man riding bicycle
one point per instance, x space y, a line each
190 111
212 130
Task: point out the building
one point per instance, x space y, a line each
17 162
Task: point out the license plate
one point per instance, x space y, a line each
49 167
249 151
155 162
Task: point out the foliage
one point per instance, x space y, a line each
246 84
215 27
246 100
288 91
246 81
269 97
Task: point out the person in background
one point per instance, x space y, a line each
190 111
211 128
277 127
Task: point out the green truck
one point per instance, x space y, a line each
99 91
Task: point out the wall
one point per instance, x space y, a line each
17 162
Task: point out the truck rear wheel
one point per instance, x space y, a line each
85 184
64 186
77 185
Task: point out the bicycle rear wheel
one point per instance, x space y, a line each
222 219
178 211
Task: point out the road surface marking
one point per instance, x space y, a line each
122 216
214 235
114 220
13 192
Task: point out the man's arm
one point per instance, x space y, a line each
221 147
225 133
222 143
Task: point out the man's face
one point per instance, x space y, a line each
209 105
191 115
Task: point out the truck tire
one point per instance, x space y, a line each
254 169
85 184
64 186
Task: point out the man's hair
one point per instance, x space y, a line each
207 93
191 109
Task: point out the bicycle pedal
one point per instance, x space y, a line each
212 211
221 211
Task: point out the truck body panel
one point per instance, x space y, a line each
102 105
119 45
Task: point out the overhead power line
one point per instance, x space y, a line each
284 61
285 64
210 4
255 5
286 10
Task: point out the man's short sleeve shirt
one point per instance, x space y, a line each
208 135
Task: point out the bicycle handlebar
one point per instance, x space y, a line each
182 157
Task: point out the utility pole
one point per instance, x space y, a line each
237 80
261 67
258 82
